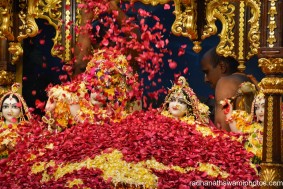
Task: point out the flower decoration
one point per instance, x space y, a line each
109 74
145 149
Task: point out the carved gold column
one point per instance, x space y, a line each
271 63
239 36
7 75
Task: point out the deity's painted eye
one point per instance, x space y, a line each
172 99
14 106
181 100
5 106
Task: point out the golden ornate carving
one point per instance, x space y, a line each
68 33
271 65
254 34
197 47
28 26
5 20
272 85
16 51
269 129
224 11
186 17
153 2
241 66
4 90
6 78
50 10
272 23
271 173
241 29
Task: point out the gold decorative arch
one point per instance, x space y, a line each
239 36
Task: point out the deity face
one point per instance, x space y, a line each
97 99
177 105
50 104
259 109
11 110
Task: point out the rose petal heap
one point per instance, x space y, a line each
146 149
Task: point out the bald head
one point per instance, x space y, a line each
215 66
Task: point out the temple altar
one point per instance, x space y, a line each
248 30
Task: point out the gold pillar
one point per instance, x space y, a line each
271 63
6 76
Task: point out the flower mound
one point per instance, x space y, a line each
145 149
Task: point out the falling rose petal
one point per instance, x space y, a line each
42 41
156 18
144 101
172 64
30 109
63 77
115 13
183 46
129 57
211 96
39 31
181 52
177 75
105 42
166 6
33 92
25 78
39 104
43 65
143 13
185 71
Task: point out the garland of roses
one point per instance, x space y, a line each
141 137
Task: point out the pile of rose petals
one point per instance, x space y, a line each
170 152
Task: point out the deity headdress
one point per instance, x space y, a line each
195 108
25 114
63 96
69 93
258 97
110 74
244 96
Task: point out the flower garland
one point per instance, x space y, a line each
253 131
8 136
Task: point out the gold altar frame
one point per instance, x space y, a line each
249 27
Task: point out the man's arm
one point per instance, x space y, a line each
83 46
225 88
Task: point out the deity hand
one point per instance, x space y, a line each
227 108
10 146
50 105
2 148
